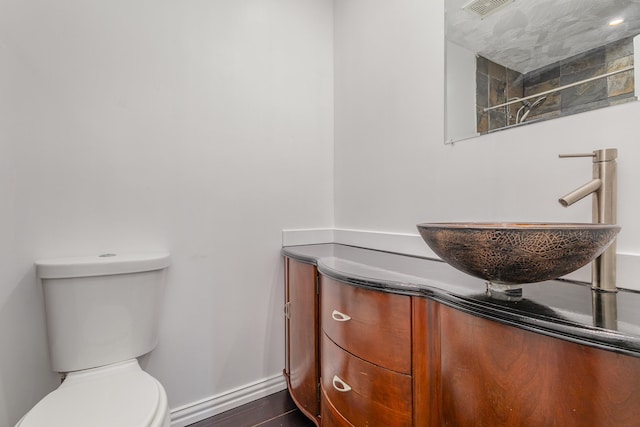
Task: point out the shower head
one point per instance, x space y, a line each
530 106
538 101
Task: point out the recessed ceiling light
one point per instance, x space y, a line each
615 22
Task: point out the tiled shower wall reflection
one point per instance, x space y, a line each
496 84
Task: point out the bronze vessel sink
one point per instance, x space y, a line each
517 253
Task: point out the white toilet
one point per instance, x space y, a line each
102 313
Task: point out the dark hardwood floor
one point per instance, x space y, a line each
276 410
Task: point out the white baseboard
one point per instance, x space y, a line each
412 244
214 405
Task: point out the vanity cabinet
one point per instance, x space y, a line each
302 369
365 356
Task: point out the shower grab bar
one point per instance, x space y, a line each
622 70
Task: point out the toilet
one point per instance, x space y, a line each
102 313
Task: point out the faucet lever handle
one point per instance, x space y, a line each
604 155
564 156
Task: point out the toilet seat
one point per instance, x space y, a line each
120 395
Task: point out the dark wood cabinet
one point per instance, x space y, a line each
302 369
365 357
492 374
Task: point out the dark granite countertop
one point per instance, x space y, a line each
558 308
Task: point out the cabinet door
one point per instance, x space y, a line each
498 375
302 364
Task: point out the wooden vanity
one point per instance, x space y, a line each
367 349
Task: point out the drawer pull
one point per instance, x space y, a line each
340 385
339 317
287 310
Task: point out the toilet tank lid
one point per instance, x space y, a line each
101 265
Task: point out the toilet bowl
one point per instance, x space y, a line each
121 395
102 313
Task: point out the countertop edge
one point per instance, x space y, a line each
290 253
565 330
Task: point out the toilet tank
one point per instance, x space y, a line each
101 309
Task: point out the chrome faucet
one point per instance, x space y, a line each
603 186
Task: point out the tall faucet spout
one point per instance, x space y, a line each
580 193
603 186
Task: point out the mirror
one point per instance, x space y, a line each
511 63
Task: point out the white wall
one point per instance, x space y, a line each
392 168
199 127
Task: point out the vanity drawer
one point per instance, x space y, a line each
363 393
373 325
330 415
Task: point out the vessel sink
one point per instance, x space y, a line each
517 253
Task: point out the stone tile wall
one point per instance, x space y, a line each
495 84
498 83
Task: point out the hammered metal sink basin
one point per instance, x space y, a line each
517 253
